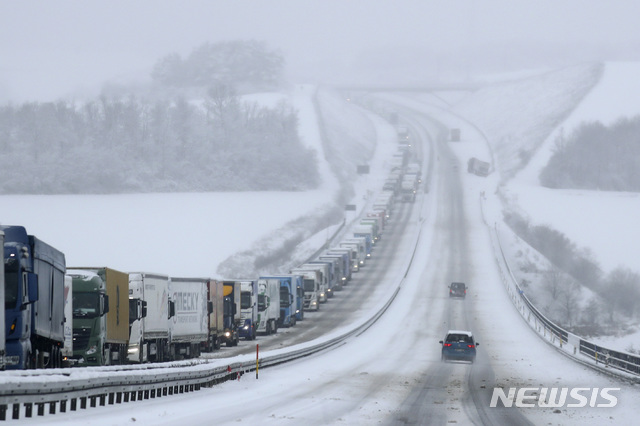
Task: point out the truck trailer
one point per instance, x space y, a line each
216 316
331 272
2 329
34 301
347 261
190 324
100 315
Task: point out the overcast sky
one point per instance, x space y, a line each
54 48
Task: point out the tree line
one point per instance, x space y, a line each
596 156
117 145
618 291
158 138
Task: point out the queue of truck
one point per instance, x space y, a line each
57 316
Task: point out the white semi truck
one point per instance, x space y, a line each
149 337
268 305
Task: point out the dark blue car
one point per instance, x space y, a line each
459 345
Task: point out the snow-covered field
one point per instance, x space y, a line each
191 234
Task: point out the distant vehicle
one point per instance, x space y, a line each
457 290
268 305
403 133
232 315
2 329
216 316
408 191
459 345
249 306
478 167
311 287
190 324
149 336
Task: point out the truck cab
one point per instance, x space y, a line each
268 304
232 312
249 309
368 239
90 307
34 301
311 287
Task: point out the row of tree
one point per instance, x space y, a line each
618 291
596 156
250 66
115 145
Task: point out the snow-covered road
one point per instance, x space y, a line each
392 373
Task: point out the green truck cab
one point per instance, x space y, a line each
100 316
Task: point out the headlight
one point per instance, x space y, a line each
132 351
92 350
227 334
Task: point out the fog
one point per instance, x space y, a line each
52 49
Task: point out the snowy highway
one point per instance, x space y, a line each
392 373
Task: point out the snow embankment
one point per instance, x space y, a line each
518 115
603 222
344 136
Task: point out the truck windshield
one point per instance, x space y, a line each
86 305
10 289
245 300
309 285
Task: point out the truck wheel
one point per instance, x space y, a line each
268 328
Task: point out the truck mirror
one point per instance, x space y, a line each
209 307
105 304
172 309
32 288
144 309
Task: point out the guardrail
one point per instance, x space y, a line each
593 355
58 391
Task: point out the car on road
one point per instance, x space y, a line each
457 289
459 345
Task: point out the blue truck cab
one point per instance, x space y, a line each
288 299
34 301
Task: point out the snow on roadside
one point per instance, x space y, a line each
344 137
